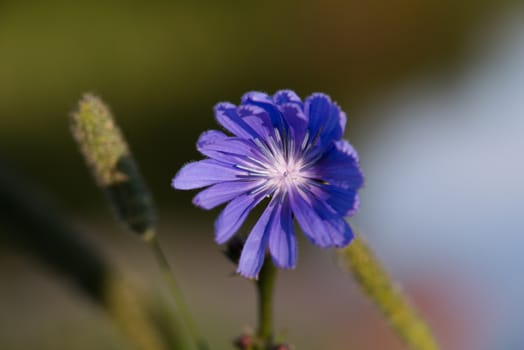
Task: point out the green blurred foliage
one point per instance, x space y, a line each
162 65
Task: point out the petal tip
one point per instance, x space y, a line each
219 238
348 237
320 95
175 182
253 277
255 96
223 106
286 96
289 265
182 181
199 203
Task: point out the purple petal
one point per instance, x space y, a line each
296 121
287 96
345 147
210 137
325 120
217 145
320 225
342 119
234 215
222 192
337 167
344 232
317 109
258 119
344 201
356 206
282 240
254 250
264 101
254 97
227 116
335 123
204 173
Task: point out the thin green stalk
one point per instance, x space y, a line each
265 286
169 276
375 282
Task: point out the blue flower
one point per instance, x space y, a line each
289 152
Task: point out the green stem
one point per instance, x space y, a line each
265 286
375 282
169 276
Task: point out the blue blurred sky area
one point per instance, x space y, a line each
445 188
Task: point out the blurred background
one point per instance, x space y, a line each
434 96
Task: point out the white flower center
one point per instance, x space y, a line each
285 173
280 169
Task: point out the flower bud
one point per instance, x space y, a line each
112 165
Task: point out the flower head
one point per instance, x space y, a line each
289 152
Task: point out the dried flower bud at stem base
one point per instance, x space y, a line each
244 342
281 347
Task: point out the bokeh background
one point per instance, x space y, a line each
434 92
